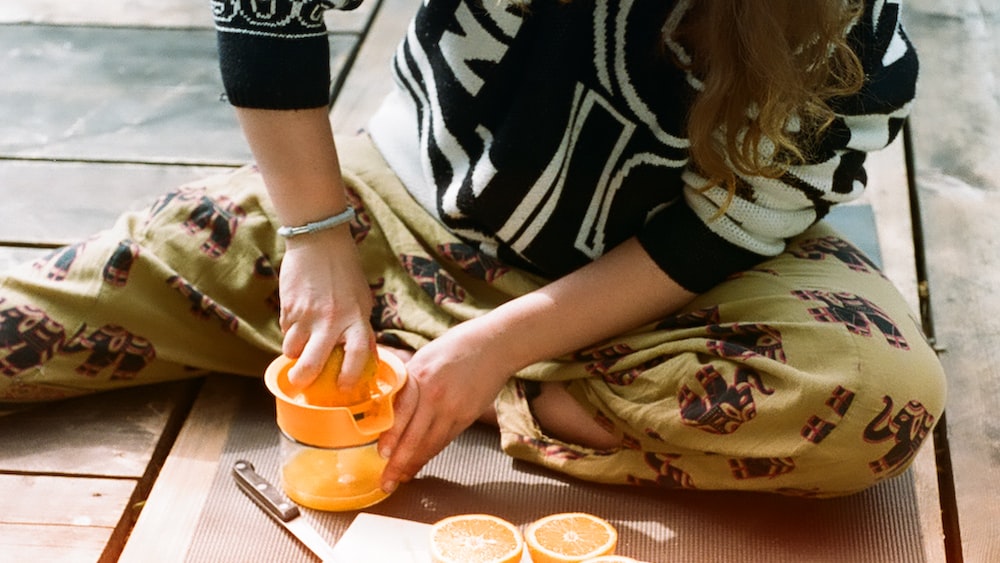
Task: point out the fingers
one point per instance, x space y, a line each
294 340
359 347
313 354
405 406
419 434
325 301
423 439
311 350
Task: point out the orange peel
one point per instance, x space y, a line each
324 390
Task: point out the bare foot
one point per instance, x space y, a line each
562 417
401 353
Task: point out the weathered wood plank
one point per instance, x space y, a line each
56 518
114 94
63 202
120 94
964 253
369 79
112 434
353 21
166 524
964 265
63 501
46 542
958 104
956 134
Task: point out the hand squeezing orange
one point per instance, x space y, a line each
324 391
330 435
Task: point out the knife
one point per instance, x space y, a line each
282 510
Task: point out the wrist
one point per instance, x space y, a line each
335 220
506 340
332 240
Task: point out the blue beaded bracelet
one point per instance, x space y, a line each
328 223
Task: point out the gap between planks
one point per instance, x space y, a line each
165 526
888 194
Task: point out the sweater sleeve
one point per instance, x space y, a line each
275 54
698 248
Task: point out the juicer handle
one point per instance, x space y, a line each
266 495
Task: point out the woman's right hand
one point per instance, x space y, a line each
325 301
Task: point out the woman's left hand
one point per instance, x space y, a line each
452 381
456 377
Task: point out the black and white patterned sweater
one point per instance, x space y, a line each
547 136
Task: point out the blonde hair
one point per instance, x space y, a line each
768 69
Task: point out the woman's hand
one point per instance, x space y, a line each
452 381
325 301
457 376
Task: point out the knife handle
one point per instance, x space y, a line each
266 495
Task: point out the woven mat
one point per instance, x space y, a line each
473 475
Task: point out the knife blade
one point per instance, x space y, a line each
281 509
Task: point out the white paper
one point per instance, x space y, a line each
379 539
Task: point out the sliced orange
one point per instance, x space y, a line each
324 392
475 538
570 537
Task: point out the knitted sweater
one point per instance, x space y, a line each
547 136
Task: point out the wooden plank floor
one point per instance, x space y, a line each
74 115
102 108
956 131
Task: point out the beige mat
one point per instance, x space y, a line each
473 475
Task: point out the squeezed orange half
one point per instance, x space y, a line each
324 391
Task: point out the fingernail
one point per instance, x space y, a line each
385 452
389 487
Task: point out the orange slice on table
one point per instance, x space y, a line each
571 537
324 392
475 538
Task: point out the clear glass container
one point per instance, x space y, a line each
333 479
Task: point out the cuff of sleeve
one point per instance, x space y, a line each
689 252
271 73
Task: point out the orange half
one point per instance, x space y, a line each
571 537
475 538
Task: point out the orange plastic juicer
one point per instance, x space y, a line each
330 459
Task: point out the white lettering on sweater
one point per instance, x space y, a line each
475 43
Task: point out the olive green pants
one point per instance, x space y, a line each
807 375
